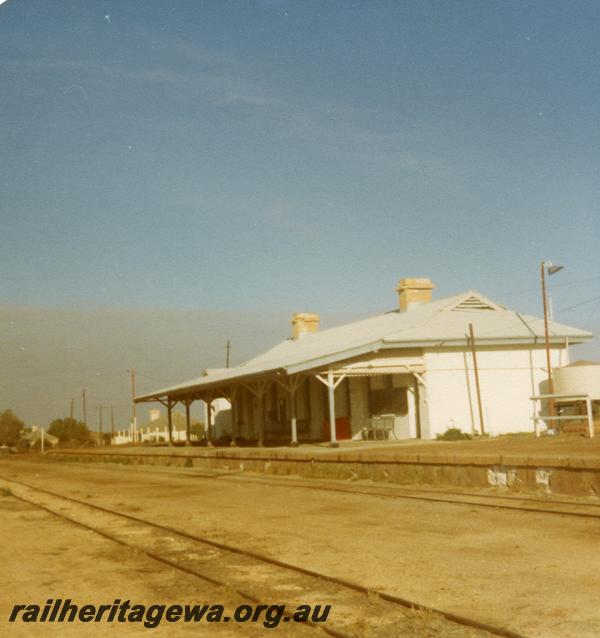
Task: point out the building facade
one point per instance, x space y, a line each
412 372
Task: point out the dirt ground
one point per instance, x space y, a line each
43 558
535 574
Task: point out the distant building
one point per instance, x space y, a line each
33 437
409 370
156 429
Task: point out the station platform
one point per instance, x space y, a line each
565 464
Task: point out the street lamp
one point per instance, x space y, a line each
552 269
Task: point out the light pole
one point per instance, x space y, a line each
548 265
133 408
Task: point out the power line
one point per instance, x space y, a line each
564 284
594 310
582 303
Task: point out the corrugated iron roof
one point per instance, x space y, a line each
444 322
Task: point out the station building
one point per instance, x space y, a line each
412 372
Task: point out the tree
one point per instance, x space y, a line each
69 430
10 428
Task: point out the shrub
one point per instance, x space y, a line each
69 430
10 428
453 434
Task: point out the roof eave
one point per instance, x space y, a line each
319 362
496 341
182 390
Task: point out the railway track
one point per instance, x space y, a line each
254 577
493 501
526 504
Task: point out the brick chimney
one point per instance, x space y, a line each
414 291
303 322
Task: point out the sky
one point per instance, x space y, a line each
273 156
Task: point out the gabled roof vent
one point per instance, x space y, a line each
473 302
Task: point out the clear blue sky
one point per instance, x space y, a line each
298 155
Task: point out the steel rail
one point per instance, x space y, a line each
434 496
359 489
455 618
157 557
393 491
470 503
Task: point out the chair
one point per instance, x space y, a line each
385 425
378 427
368 431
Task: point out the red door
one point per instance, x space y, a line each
342 429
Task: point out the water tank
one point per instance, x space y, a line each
581 377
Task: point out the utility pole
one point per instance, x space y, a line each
547 339
476 371
112 424
71 420
551 270
227 349
84 408
133 408
100 417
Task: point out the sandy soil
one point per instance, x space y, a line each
44 557
535 574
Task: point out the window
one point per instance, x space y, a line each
384 398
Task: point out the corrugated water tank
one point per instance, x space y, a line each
581 377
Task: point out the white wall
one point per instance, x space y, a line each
508 377
221 417
153 435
